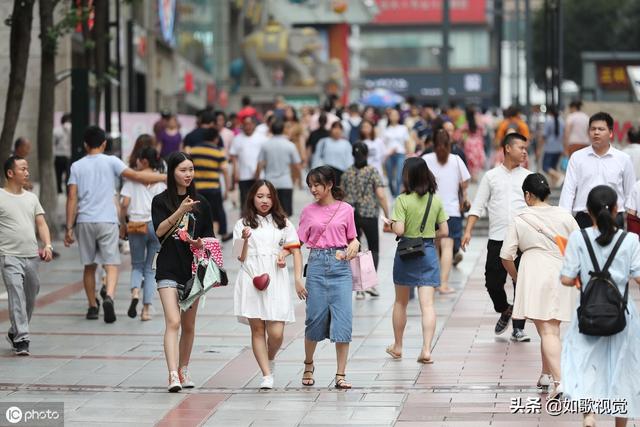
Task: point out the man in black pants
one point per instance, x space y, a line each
500 193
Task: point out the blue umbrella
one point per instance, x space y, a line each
381 98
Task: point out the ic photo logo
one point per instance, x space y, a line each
33 414
13 414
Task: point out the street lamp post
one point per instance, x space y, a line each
444 53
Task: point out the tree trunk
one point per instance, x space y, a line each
19 42
48 193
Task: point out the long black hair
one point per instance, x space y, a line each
536 184
325 175
360 153
416 177
173 161
470 114
601 202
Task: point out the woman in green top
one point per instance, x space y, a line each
419 271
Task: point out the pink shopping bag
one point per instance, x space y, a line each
363 272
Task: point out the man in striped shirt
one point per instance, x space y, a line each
210 163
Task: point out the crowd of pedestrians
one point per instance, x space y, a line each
173 201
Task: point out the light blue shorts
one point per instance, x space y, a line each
329 288
167 283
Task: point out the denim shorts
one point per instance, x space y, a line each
167 283
329 288
418 271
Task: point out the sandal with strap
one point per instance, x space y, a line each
341 383
308 380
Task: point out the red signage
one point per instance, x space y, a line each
430 11
613 76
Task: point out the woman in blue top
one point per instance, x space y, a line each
595 367
334 151
551 145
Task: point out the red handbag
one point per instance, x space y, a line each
262 281
633 224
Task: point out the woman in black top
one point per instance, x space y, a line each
178 208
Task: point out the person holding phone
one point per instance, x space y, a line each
181 218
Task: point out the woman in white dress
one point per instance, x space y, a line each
539 294
262 239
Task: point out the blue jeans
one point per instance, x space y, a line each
329 287
393 166
143 249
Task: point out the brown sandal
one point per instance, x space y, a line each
307 380
341 383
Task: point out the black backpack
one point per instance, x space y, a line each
602 307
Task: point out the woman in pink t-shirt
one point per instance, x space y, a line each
328 229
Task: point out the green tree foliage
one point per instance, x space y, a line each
589 25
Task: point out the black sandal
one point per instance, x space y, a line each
341 383
309 380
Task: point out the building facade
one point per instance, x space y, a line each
401 50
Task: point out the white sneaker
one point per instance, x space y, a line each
267 382
185 378
360 295
174 382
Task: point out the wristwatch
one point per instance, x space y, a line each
49 247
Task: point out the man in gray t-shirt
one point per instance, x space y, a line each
91 208
276 158
21 216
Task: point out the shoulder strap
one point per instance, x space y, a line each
538 228
426 213
592 254
170 232
612 255
327 224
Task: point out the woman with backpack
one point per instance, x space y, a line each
601 349
539 296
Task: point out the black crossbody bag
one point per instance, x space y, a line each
413 247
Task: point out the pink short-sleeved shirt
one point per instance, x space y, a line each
339 232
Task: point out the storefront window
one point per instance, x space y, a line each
470 49
420 49
400 49
195 32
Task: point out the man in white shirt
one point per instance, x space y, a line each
500 192
244 154
633 149
452 177
598 164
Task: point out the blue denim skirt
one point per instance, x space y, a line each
418 271
329 288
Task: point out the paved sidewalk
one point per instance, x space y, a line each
116 374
